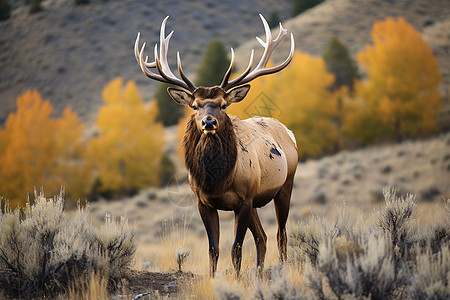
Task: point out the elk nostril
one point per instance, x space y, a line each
209 123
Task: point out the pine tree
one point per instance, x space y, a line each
215 64
274 19
299 6
5 9
340 63
35 6
169 110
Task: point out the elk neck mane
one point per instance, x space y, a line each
210 158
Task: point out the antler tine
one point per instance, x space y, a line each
225 83
144 68
161 63
269 46
192 87
136 53
164 48
230 68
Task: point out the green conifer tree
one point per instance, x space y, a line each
215 64
340 63
169 110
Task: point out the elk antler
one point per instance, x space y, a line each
269 45
161 64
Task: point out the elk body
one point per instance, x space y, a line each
235 165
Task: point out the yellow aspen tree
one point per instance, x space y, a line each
128 149
34 149
74 170
401 90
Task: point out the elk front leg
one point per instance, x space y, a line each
210 219
242 221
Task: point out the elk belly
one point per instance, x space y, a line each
273 166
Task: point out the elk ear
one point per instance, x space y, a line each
238 93
180 96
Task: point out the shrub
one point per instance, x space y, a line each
431 279
35 6
5 9
43 252
304 240
279 287
225 291
79 2
395 219
367 272
299 6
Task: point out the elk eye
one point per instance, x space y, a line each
194 107
224 106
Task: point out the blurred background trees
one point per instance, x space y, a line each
326 101
5 9
169 110
129 146
38 150
400 94
329 106
340 63
299 6
214 65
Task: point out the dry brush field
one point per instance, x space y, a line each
372 224
343 191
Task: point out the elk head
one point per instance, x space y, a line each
210 103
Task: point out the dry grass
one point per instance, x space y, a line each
43 253
320 235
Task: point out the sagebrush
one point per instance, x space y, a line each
389 258
43 252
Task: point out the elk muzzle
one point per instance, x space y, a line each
209 125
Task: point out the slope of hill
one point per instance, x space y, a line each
351 21
69 53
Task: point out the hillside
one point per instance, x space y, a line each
351 21
69 53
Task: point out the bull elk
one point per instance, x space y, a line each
234 165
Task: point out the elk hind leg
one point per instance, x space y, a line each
260 240
242 221
282 202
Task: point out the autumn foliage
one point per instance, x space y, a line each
38 150
128 149
396 98
400 97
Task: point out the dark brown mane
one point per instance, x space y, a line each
210 158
